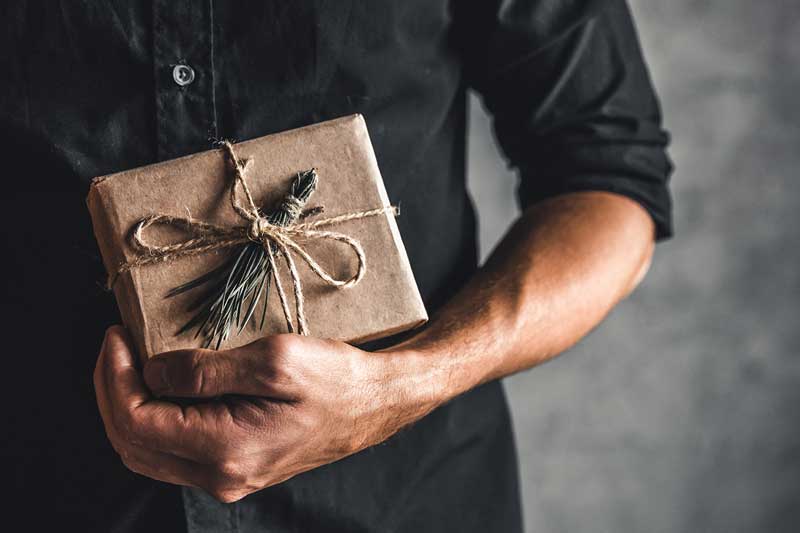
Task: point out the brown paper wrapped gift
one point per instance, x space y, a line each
198 188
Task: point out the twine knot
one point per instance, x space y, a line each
259 229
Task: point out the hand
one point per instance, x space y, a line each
270 410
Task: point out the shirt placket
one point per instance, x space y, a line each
183 58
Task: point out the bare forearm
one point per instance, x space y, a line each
558 272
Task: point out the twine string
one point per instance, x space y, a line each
203 237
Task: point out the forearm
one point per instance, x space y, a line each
562 267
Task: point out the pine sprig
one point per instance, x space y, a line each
234 289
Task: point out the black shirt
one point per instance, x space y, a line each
90 88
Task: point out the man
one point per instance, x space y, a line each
293 433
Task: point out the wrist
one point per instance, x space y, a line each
425 375
414 388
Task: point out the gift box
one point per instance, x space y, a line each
288 232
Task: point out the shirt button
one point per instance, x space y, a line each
183 75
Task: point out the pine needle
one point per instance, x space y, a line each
243 280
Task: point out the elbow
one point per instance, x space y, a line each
641 268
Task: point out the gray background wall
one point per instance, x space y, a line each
679 414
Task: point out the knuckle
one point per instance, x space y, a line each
277 364
126 425
228 496
131 463
280 344
231 474
229 483
129 428
203 373
120 448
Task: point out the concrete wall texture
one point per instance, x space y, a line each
680 413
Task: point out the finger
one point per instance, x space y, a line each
190 433
249 370
156 465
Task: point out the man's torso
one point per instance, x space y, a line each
89 90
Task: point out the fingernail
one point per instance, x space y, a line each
155 374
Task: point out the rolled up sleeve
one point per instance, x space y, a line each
572 102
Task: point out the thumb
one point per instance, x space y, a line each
208 373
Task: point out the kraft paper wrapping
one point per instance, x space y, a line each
385 302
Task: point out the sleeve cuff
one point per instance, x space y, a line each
653 197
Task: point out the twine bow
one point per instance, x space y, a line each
205 237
